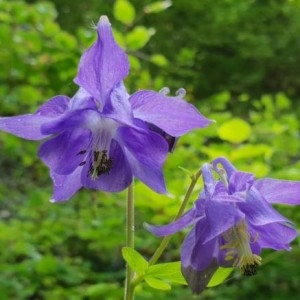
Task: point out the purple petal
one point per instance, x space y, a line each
171 114
221 189
226 164
258 210
198 280
29 126
186 220
208 179
220 216
63 152
275 236
146 154
82 100
103 65
118 178
194 253
240 181
54 107
71 120
228 198
254 245
279 191
171 140
65 186
199 204
198 262
188 246
25 126
118 107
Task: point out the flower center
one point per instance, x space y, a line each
100 164
238 246
103 130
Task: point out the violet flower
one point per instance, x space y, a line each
102 137
233 221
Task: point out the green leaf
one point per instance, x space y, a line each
168 271
134 62
235 130
100 289
157 7
159 60
47 265
157 283
124 12
250 151
135 260
220 275
137 38
282 101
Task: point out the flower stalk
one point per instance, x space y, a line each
165 241
131 283
129 290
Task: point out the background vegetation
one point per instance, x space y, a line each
239 62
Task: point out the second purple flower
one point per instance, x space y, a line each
233 221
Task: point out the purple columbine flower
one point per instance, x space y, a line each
102 136
233 221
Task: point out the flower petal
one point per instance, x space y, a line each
226 164
171 140
276 236
103 65
198 262
65 186
71 120
209 180
240 181
194 252
186 220
198 280
258 210
54 107
172 114
25 126
118 178
220 216
118 106
62 153
82 100
29 126
146 154
279 191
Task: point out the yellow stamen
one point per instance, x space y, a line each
238 246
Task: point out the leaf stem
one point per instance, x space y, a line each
165 241
129 289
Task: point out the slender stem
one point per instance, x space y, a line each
165 241
129 291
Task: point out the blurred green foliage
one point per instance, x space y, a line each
238 61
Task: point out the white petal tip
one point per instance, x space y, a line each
104 21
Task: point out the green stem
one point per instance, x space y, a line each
165 241
129 290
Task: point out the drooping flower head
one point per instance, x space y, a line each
102 137
233 221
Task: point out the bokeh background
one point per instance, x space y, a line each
240 64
